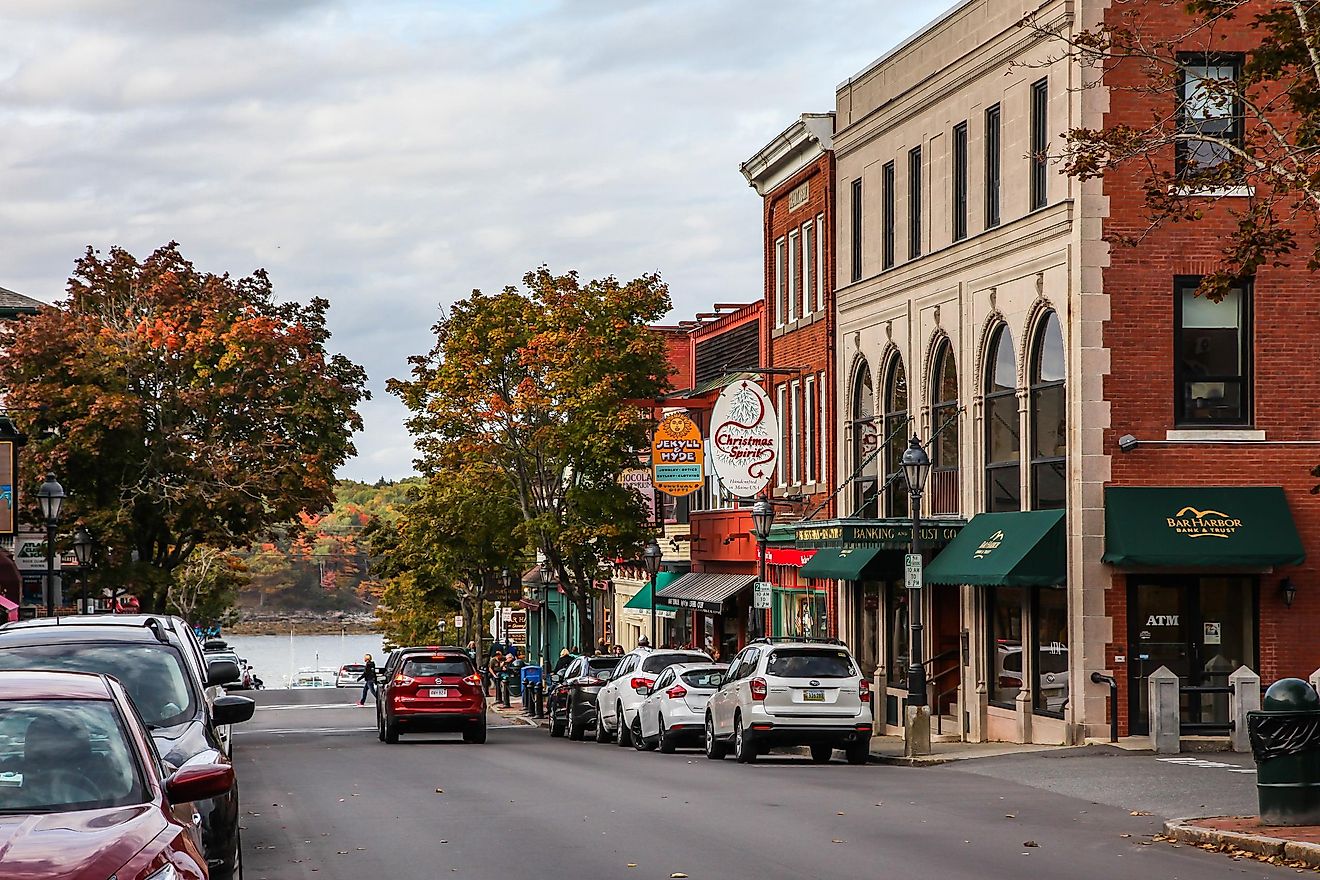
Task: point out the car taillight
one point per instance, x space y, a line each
864 690
676 692
474 680
758 688
403 679
639 683
591 682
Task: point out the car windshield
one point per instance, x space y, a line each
64 755
429 667
602 664
153 674
353 667
657 662
704 678
809 663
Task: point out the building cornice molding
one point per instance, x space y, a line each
807 139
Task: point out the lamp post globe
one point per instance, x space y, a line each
763 517
51 498
506 579
82 546
916 466
651 557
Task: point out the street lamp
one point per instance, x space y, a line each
51 498
506 580
651 557
763 517
916 468
82 548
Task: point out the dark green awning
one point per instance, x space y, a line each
840 564
642 601
1200 527
1021 549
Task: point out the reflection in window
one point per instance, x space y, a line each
896 641
1208 105
1213 356
1049 418
1003 485
1005 643
895 429
864 441
1050 640
943 490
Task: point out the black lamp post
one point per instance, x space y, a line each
763 517
506 581
651 557
916 467
82 548
51 498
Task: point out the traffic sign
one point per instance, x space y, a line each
458 621
762 592
912 571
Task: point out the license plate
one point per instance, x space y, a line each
813 696
439 692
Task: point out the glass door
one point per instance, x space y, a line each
1157 618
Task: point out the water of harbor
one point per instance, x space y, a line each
276 658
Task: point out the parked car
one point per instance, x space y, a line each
791 693
673 711
571 703
82 794
350 675
617 702
307 677
439 691
152 663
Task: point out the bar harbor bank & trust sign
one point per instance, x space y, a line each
1203 523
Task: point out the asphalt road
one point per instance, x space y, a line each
324 799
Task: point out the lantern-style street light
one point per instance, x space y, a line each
82 549
651 558
916 468
763 517
51 498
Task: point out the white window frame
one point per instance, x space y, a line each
810 428
795 432
794 274
783 424
820 261
822 445
781 254
808 268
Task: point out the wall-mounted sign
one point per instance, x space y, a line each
890 535
1203 523
1214 633
639 480
678 458
744 439
30 552
8 491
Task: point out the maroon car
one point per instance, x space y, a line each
436 691
82 794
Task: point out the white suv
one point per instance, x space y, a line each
617 702
788 692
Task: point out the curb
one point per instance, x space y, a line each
1307 854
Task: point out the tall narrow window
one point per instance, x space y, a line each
781 281
783 434
794 275
1040 101
809 430
992 167
914 203
960 181
1212 355
1049 418
808 268
887 213
865 466
795 433
820 260
944 484
1002 431
896 435
857 229
1209 106
823 433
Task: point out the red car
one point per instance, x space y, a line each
439 691
82 795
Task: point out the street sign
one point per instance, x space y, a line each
458 621
762 592
678 456
912 571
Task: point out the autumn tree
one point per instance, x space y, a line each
179 407
543 384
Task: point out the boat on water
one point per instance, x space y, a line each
314 678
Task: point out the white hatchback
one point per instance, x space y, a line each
617 702
674 710
790 692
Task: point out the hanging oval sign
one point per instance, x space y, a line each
678 457
744 439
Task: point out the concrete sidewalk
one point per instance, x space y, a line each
889 750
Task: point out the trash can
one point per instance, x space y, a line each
1285 741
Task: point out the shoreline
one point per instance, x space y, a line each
299 627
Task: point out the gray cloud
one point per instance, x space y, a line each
394 155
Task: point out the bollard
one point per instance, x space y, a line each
1164 711
1244 698
1101 678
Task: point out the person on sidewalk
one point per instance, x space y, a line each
368 680
565 660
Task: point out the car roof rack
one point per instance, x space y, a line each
780 640
157 630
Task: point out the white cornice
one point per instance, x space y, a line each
810 135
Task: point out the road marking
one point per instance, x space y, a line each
288 730
1209 765
283 706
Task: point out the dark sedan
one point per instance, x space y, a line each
572 703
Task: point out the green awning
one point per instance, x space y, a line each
642 601
1200 527
1020 549
844 564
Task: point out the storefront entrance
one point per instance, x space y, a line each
1202 627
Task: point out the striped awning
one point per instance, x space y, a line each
703 591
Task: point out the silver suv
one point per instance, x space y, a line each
790 692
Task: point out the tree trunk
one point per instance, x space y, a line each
586 629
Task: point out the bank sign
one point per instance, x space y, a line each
744 438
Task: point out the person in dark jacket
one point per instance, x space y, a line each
565 660
368 680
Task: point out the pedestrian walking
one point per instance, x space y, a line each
565 660
368 680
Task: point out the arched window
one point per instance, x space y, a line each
896 437
943 491
864 463
1002 451
1049 417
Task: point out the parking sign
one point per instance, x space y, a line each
912 571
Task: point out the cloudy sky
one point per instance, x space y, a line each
391 155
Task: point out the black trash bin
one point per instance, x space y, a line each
1285 741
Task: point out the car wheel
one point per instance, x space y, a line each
664 743
639 742
624 738
715 750
476 733
238 870
556 728
575 731
391 730
744 749
858 752
380 727
821 753
602 732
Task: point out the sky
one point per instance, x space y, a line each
393 155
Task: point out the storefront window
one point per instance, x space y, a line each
1006 644
1050 626
800 613
896 641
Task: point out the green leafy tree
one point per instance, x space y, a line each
546 386
180 407
203 589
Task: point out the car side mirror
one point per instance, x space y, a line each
199 783
231 709
222 672
645 691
